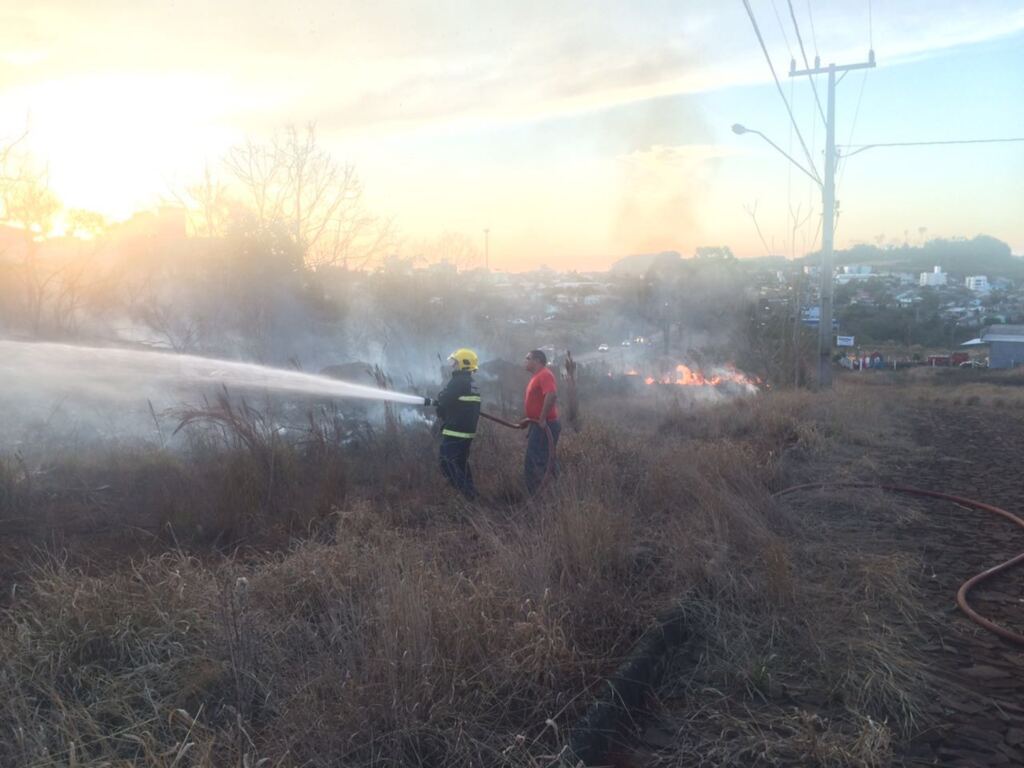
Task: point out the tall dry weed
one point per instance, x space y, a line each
412 628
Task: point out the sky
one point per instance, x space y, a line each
577 132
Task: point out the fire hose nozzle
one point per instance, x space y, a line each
428 402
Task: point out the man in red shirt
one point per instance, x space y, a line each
542 413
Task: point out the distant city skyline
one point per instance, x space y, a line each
577 133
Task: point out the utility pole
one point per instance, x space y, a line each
487 249
828 204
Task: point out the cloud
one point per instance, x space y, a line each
357 66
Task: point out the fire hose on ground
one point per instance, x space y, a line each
971 583
595 735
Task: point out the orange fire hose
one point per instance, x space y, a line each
971 583
549 469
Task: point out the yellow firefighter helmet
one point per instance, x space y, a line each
464 360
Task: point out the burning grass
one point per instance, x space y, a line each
352 612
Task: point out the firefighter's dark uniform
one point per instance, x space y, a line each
458 407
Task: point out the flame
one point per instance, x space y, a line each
684 376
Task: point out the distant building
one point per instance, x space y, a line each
1002 284
978 284
907 299
811 317
1006 345
854 272
934 278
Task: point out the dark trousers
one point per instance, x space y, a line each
455 464
537 451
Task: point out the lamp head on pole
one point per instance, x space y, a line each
738 129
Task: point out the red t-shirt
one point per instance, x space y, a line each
543 381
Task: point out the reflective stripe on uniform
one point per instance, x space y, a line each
453 433
469 398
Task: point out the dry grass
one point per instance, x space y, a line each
412 629
1002 389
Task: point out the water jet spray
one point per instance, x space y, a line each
112 372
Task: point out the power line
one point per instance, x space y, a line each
853 127
789 175
871 27
778 85
807 64
814 33
863 147
782 29
808 245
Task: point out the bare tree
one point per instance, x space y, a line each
294 182
207 205
85 285
30 206
172 327
751 211
8 148
456 249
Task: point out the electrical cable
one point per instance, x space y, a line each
814 33
858 148
790 217
807 64
871 28
778 85
853 126
782 29
812 191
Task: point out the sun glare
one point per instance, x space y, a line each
108 140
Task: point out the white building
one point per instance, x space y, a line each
857 269
978 283
854 272
934 278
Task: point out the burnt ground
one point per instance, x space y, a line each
974 451
973 711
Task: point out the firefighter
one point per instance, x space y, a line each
458 408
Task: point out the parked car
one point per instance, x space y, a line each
602 347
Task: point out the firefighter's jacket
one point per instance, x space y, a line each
458 406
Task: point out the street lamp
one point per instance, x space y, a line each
739 130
